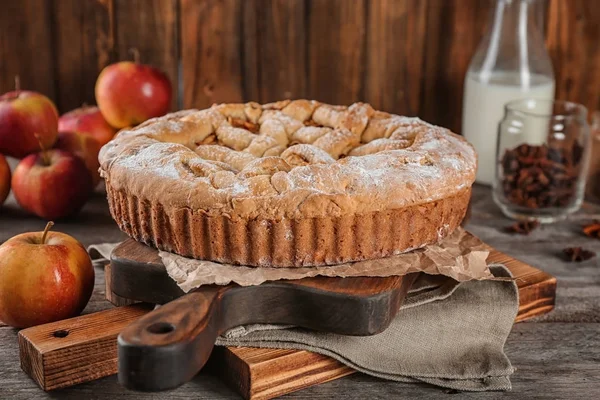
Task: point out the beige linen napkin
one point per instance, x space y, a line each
451 335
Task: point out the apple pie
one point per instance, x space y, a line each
287 184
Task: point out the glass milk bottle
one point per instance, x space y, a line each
511 63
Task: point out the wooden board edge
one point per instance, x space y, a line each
296 370
230 369
32 361
302 383
85 352
545 294
110 296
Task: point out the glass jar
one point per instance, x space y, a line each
592 187
511 62
542 159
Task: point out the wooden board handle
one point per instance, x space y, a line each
168 346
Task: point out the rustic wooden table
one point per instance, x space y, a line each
556 356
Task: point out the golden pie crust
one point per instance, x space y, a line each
287 184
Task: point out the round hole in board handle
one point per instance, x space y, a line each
60 334
160 328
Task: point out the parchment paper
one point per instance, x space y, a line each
460 256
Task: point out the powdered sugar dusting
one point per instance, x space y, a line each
289 235
151 161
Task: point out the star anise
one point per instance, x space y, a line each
578 254
593 229
522 227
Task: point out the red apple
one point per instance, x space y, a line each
129 93
52 184
44 277
4 179
24 114
87 120
84 147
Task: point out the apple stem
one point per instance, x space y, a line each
17 82
49 226
45 159
136 54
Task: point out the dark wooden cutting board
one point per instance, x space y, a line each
170 345
68 352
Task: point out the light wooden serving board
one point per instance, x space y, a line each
88 351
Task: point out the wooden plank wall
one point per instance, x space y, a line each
404 56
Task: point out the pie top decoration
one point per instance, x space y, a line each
288 159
